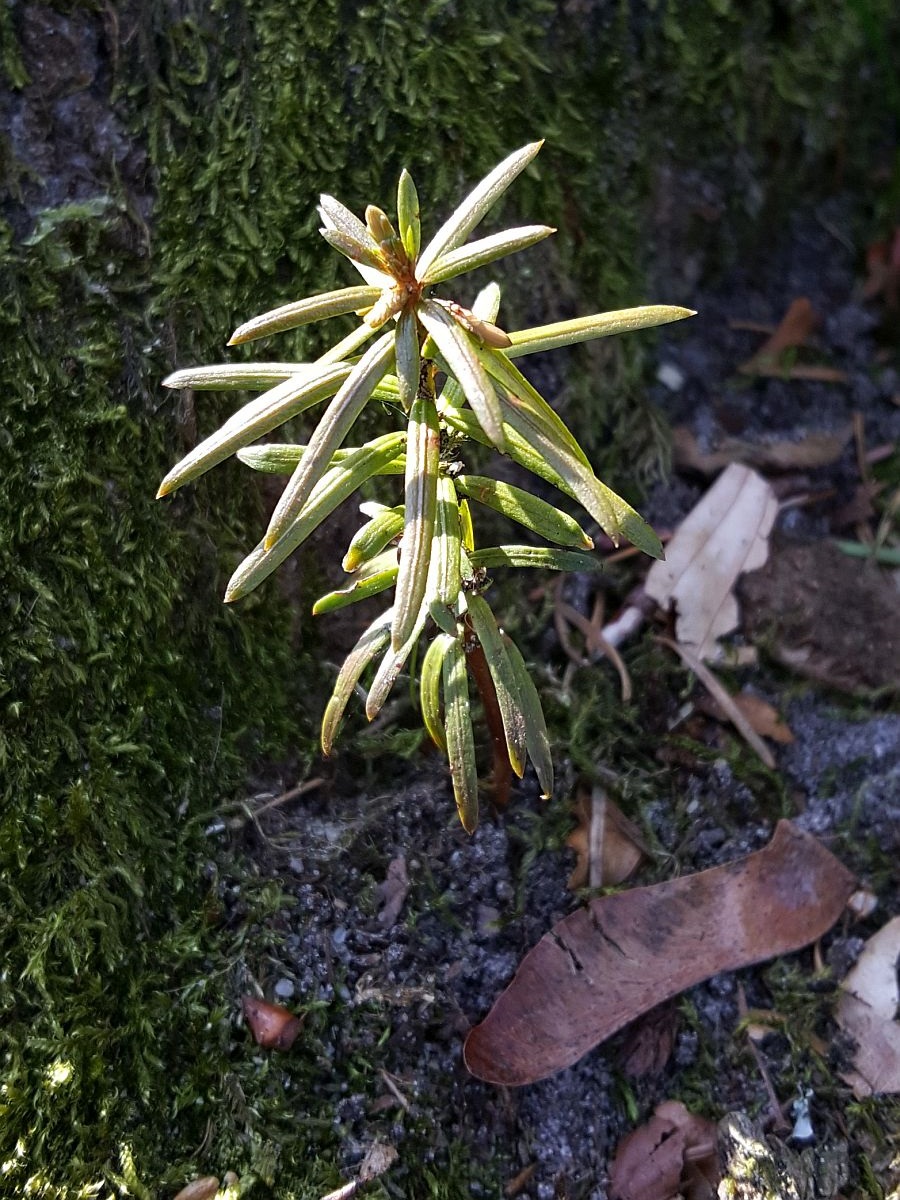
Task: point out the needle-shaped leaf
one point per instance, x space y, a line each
408 214
302 312
423 444
391 665
349 345
462 359
528 510
529 398
616 517
281 458
333 488
370 539
597 325
374 638
537 740
430 689
503 678
337 216
358 252
374 577
227 377
546 558
446 556
408 359
330 432
484 251
458 732
259 417
463 220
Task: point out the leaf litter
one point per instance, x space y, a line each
605 964
867 1012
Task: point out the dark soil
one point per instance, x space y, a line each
411 988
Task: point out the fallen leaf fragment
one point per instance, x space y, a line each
379 1158
621 955
273 1027
793 331
867 1012
813 450
609 846
762 717
674 1154
199 1189
393 892
648 1042
724 535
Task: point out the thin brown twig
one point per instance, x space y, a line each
778 1118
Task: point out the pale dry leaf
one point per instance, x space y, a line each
867 1012
724 535
609 846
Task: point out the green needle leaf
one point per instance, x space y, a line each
423 445
226 377
330 432
613 515
302 312
546 558
259 417
463 220
484 251
528 510
373 578
374 638
458 731
359 252
537 740
333 488
503 677
446 556
370 539
408 359
430 689
462 358
281 458
597 325
408 214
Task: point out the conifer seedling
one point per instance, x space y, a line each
424 548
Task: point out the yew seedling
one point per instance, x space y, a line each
424 548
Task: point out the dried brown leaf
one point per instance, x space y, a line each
673 1155
724 535
648 1042
621 955
392 893
273 1027
762 717
811 451
867 1012
199 1189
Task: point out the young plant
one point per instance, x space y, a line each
424 548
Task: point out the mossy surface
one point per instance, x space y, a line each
131 700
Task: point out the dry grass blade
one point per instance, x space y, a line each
723 697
